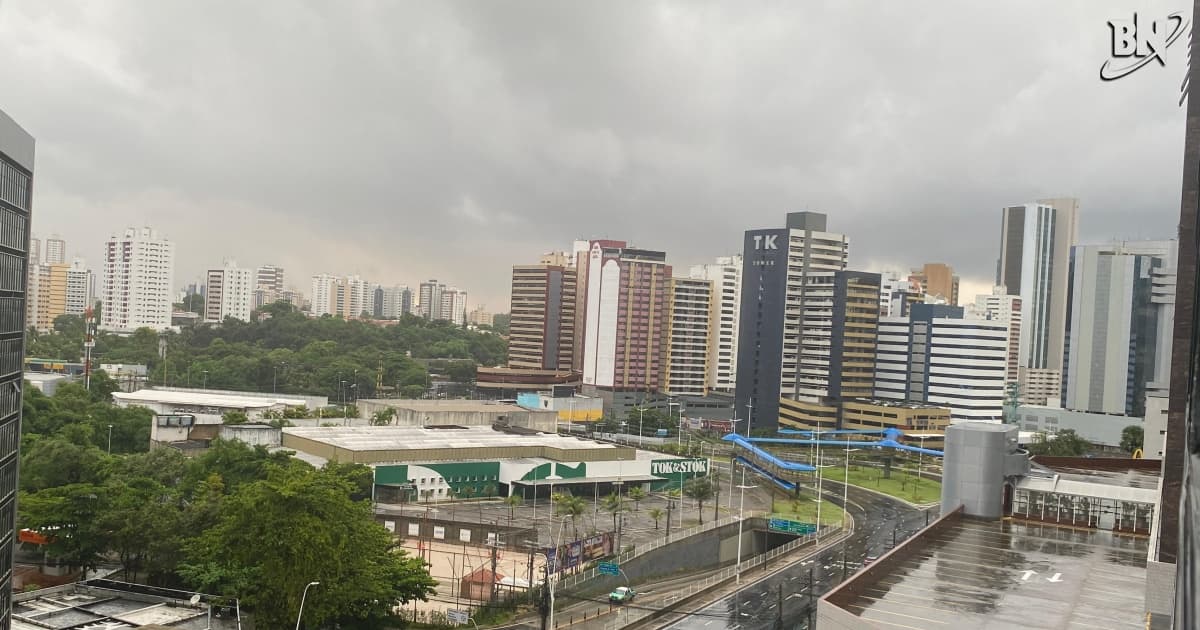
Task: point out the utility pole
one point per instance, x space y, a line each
779 615
544 605
670 506
495 543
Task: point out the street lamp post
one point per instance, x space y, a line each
817 439
302 598
549 584
204 383
110 439
741 519
641 414
571 417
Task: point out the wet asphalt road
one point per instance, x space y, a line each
757 607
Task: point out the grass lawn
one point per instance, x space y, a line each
804 510
902 485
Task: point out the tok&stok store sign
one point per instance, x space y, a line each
666 467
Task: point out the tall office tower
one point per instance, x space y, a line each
1001 307
785 321
431 299
541 331
625 335
48 296
690 336
1113 330
937 280
16 192
726 276
269 277
229 292
392 302
139 268
56 251
1035 253
322 294
854 335
582 251
81 287
936 355
454 306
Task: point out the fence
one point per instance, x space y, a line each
572 581
626 616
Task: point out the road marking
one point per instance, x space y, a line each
1025 575
1057 578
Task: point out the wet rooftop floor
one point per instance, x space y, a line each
1007 575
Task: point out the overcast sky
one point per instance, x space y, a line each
404 140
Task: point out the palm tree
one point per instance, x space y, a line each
656 513
637 495
613 505
572 506
699 489
513 501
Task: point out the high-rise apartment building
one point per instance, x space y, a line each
430 306
139 269
453 306
392 302
1000 306
35 251
625 335
581 251
1035 252
269 277
55 252
936 355
689 336
347 297
81 287
541 331
936 280
16 193
229 292
1114 337
726 276
786 322
480 316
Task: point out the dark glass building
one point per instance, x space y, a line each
16 192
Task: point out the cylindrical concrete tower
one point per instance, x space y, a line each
973 468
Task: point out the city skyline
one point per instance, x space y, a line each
537 160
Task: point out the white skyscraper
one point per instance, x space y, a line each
431 299
139 269
81 287
937 355
229 293
1035 252
726 276
322 290
689 336
56 251
453 306
1002 307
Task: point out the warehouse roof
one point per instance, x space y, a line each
396 438
468 406
202 399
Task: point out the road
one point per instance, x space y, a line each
756 607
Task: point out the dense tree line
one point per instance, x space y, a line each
235 521
289 352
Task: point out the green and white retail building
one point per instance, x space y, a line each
442 462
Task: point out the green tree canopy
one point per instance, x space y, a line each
274 536
1131 438
1065 443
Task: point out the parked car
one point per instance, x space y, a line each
621 595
